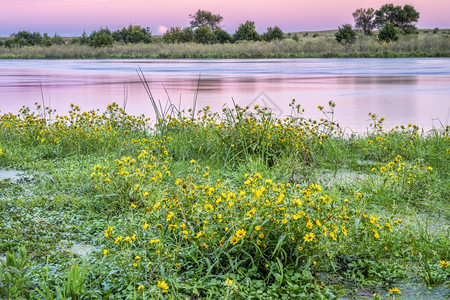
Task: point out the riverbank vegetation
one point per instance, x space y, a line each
309 45
397 36
236 204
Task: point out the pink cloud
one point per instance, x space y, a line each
162 29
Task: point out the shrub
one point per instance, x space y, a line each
274 33
388 33
345 34
204 35
222 36
101 38
246 32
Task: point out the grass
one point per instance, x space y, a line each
236 204
314 45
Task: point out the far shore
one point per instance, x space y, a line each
320 44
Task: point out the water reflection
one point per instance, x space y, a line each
403 92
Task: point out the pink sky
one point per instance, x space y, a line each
71 17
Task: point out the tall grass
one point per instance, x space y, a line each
323 46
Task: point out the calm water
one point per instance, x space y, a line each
401 90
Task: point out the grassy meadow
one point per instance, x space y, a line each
232 205
320 44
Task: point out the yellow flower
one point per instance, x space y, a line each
300 248
234 240
375 234
145 226
240 233
444 263
229 281
154 241
105 251
133 205
430 169
163 286
192 161
137 257
309 237
257 228
394 290
140 288
344 231
309 224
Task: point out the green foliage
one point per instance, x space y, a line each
364 19
435 30
178 35
295 37
222 36
204 35
238 204
46 40
205 18
101 38
404 17
26 38
73 287
57 40
246 32
345 34
274 33
388 33
13 280
133 34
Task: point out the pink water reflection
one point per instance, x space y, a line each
401 99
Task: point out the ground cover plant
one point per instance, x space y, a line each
235 204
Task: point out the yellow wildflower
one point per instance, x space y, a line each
394 290
163 286
309 237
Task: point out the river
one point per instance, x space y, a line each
412 90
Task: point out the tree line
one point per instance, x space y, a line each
205 28
390 20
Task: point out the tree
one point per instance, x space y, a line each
364 19
205 18
295 37
46 40
345 34
247 32
388 33
133 34
274 33
222 36
101 38
178 35
26 38
404 18
204 35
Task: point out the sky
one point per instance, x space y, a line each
71 17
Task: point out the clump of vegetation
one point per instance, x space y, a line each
388 33
345 34
231 204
